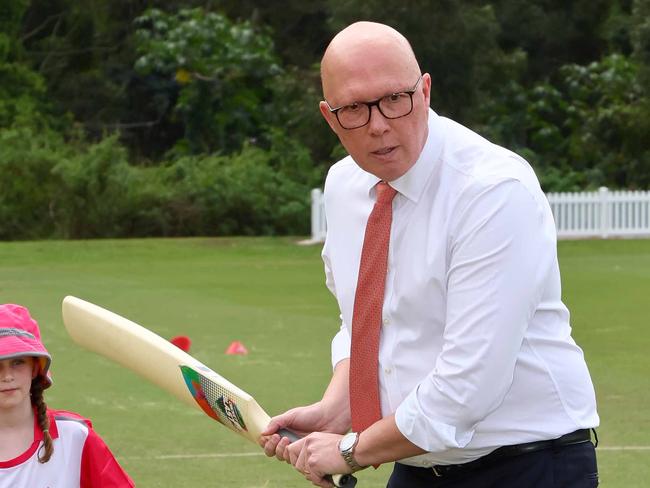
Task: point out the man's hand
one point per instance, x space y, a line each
329 417
302 421
316 456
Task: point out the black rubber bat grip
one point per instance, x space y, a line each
339 480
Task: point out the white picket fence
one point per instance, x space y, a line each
601 213
597 214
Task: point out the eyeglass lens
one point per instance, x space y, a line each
391 106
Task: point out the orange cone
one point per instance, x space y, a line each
236 347
182 342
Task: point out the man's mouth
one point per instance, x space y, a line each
384 151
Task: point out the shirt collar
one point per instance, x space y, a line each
38 433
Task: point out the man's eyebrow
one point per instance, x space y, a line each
403 90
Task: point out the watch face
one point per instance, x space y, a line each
348 440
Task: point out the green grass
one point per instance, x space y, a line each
270 294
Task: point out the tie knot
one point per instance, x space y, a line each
385 192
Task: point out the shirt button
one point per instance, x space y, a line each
386 321
388 370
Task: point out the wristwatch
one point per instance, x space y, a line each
346 447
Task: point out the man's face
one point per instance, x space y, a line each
387 148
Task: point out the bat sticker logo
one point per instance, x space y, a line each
230 410
213 400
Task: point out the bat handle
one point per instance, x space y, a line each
339 480
342 480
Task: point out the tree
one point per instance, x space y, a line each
587 129
553 33
223 71
300 29
455 41
641 40
22 91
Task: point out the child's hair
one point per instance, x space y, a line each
46 450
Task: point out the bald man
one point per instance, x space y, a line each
477 380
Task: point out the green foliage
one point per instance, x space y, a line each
53 188
10 21
84 49
554 32
22 93
223 71
255 191
587 130
609 122
455 41
27 186
296 95
190 117
100 194
50 188
22 90
300 28
641 40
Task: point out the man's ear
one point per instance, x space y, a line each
426 88
328 116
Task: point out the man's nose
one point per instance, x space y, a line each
378 123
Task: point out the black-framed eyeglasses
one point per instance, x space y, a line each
393 106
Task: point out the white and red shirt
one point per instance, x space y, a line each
80 459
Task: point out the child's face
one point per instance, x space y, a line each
15 381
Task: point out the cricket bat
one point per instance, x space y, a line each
170 368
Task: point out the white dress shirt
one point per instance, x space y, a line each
476 349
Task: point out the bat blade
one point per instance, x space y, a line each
163 364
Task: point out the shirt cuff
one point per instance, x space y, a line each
425 432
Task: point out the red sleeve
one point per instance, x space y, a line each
99 468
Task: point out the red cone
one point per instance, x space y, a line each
182 342
236 347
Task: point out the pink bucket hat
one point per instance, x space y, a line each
20 336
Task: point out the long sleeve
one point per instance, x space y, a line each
493 289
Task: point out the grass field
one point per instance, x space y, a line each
270 294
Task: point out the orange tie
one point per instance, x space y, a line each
366 317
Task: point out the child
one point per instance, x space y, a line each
41 447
